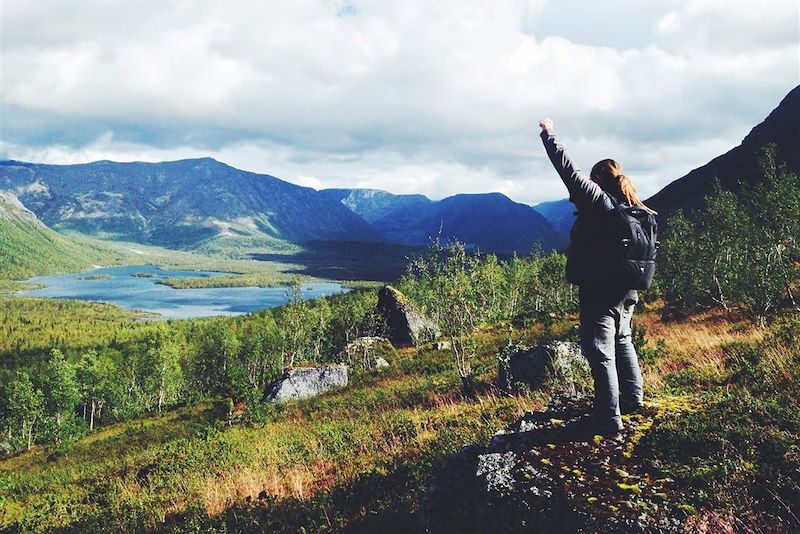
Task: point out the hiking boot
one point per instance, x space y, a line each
589 426
626 408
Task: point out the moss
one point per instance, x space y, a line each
688 509
633 488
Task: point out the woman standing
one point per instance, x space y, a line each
606 305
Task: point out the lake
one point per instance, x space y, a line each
136 287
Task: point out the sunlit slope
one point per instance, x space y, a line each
28 247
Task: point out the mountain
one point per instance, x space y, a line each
491 222
781 127
560 214
28 247
374 204
179 203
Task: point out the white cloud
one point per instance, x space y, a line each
435 98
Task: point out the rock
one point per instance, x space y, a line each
304 382
547 472
380 362
406 326
556 363
366 352
442 345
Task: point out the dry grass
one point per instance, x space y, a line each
695 343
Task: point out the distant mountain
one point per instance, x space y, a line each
781 127
202 203
28 247
374 204
491 222
560 214
179 203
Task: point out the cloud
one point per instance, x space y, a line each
435 98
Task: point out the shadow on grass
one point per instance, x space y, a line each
348 260
381 501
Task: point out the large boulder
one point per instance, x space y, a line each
304 382
405 326
559 364
547 472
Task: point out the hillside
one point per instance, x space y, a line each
559 213
28 247
781 127
282 468
179 204
491 222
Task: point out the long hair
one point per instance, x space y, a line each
608 174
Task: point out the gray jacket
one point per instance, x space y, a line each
592 203
587 196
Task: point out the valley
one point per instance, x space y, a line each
112 420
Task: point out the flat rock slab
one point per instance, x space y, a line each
548 472
304 382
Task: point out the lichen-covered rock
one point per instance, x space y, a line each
548 473
304 382
406 327
442 345
556 363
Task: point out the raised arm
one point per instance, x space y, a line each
582 191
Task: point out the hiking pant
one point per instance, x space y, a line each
605 332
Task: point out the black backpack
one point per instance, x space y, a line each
619 252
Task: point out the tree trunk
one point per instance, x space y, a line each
91 420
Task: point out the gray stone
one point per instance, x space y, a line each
556 363
406 326
442 345
366 352
380 362
304 382
539 475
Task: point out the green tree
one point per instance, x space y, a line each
160 369
296 324
61 395
215 369
99 384
25 406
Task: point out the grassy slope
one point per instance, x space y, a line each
362 456
29 249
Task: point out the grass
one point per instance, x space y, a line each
361 457
189 464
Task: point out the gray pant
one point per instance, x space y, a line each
606 341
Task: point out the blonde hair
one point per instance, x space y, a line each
608 174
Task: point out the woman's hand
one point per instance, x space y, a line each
546 123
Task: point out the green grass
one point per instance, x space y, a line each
362 456
188 466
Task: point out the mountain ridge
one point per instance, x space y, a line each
178 203
490 222
781 128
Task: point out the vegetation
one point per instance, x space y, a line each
743 250
462 291
108 422
30 248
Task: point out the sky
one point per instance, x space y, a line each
433 97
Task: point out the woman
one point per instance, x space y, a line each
606 308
